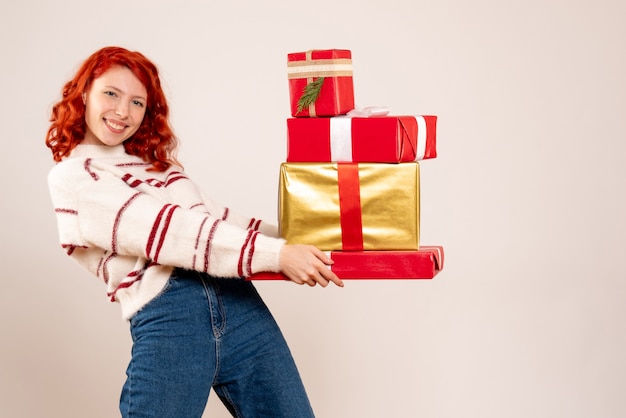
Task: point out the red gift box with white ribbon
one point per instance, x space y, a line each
387 139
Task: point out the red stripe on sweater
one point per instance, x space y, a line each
66 211
131 180
207 250
123 285
87 167
69 248
166 226
103 266
171 178
198 241
242 252
225 215
174 179
136 275
132 165
250 255
118 219
155 227
251 224
197 205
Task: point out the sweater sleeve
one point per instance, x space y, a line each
242 221
102 210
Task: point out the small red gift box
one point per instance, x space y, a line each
424 263
387 139
331 70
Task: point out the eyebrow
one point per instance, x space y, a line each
121 91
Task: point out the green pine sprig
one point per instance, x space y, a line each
310 94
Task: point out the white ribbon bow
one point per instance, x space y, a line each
370 111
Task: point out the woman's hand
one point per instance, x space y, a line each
307 264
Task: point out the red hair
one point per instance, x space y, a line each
154 141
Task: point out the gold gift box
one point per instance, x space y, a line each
310 212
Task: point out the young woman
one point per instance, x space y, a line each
172 258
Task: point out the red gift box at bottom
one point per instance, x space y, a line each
424 263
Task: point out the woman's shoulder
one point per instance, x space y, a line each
67 172
66 166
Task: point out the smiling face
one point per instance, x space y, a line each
114 107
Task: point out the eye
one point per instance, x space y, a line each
138 103
110 93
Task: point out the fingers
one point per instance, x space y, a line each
329 276
305 264
322 276
322 256
325 272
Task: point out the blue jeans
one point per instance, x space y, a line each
204 332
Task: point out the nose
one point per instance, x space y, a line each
121 109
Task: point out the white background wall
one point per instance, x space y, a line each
527 196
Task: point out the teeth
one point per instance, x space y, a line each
115 125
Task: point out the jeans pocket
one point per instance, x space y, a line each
136 319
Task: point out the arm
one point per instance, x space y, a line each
107 214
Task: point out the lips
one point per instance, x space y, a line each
115 126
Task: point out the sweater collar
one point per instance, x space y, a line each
98 151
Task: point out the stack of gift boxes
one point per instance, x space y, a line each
351 181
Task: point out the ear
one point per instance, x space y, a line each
84 98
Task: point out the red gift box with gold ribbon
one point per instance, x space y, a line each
331 69
391 139
350 206
424 263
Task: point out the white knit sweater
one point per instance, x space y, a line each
130 227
